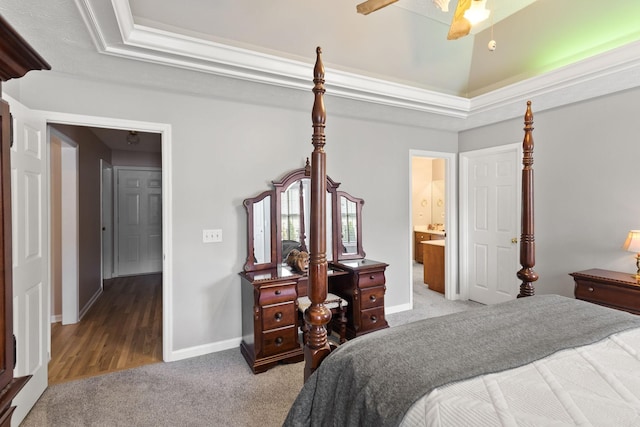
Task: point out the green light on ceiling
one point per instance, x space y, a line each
587 41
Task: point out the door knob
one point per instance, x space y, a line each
514 240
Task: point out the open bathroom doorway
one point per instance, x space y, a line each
433 211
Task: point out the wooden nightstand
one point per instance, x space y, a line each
609 288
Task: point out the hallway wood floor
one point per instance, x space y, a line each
122 330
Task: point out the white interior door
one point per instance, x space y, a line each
30 255
491 223
139 221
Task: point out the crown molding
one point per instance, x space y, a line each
612 71
114 32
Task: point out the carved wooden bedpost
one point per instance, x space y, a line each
527 239
303 237
317 315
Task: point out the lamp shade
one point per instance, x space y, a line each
632 244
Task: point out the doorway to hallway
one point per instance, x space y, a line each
122 330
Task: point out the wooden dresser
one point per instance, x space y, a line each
270 318
270 325
364 288
609 288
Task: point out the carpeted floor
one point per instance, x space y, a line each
212 390
427 303
217 389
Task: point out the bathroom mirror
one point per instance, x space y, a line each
437 201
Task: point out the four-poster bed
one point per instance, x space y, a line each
520 361
273 281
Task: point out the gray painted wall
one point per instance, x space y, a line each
225 150
586 183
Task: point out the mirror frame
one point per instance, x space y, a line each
279 187
282 185
250 264
338 226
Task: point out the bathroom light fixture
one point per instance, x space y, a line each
133 138
632 244
477 12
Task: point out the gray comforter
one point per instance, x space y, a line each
374 379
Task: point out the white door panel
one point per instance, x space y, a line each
30 255
492 222
139 221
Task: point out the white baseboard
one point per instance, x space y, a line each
398 308
201 350
89 304
55 318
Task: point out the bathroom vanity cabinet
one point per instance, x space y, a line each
421 234
433 264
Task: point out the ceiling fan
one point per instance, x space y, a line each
460 24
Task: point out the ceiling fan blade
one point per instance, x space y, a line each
460 26
369 6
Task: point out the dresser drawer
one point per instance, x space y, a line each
276 294
372 319
279 340
374 278
614 296
278 315
372 297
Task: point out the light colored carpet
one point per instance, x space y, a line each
217 389
427 303
213 390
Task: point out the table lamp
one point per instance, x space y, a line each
632 244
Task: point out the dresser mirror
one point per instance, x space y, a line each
295 211
350 216
261 244
278 221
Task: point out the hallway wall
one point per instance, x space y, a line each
90 151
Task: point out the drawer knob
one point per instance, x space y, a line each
372 298
278 292
590 289
374 319
278 316
372 277
279 341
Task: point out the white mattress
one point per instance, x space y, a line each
594 385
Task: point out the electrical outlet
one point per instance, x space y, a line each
211 236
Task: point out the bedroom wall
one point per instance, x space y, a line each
586 180
227 149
